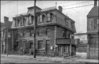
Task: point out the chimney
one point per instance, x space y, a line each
60 8
6 19
95 2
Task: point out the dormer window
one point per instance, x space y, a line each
50 17
32 19
43 17
29 20
40 18
21 21
24 21
15 22
18 22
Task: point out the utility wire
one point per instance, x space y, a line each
74 4
79 6
17 7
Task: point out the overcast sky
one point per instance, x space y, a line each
78 14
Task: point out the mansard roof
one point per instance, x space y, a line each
94 12
49 10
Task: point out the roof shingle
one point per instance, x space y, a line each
94 12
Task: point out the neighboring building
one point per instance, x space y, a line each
5 35
82 43
1 32
53 32
93 32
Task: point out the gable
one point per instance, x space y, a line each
94 12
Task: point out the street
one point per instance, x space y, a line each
42 59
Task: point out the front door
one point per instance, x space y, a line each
48 47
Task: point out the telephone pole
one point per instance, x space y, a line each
7 40
34 29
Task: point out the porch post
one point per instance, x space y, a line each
55 30
70 48
12 41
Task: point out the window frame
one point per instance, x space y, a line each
41 45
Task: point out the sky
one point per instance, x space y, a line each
73 9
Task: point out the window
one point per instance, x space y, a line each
72 25
24 20
18 22
43 18
29 20
30 32
47 31
15 22
40 44
50 16
66 22
40 18
32 19
21 22
67 34
41 32
64 33
95 23
23 34
90 23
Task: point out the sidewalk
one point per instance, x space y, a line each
29 58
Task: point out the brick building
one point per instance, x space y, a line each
93 32
54 30
5 35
